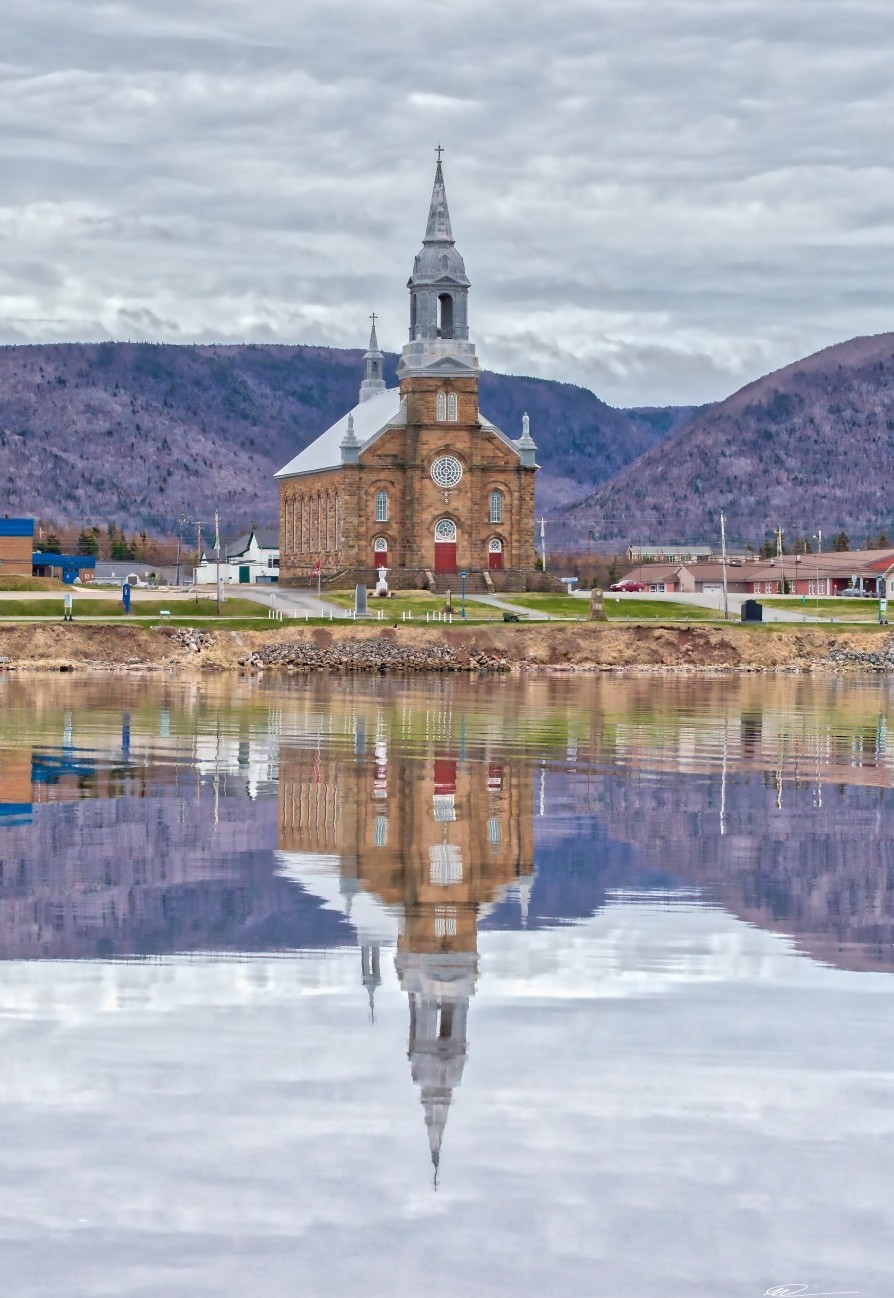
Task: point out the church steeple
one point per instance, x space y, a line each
438 229
373 363
439 297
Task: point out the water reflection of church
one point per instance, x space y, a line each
417 849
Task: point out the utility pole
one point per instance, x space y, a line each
819 540
198 524
181 523
217 553
543 544
723 566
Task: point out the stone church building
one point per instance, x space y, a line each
415 478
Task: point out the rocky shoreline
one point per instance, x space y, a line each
495 648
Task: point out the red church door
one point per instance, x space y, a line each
445 546
495 553
380 552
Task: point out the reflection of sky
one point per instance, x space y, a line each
663 1101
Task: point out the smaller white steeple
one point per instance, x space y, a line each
373 365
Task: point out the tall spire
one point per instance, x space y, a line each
438 228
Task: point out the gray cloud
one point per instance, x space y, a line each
660 202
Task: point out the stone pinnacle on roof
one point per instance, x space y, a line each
438 229
350 444
525 444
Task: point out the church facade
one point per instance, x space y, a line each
415 478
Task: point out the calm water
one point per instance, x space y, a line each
450 988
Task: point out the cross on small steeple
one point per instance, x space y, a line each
373 318
439 151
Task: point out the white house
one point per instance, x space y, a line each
252 559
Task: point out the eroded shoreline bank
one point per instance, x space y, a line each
494 647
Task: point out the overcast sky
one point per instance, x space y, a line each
659 200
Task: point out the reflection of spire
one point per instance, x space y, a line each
524 888
372 976
439 987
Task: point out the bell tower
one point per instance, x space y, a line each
439 299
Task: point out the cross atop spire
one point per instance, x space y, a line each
439 151
373 340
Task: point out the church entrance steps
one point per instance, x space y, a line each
479 581
452 581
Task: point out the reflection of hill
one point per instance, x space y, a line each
150 875
812 860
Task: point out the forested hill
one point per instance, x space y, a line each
136 433
808 447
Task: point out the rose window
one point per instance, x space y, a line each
445 530
446 471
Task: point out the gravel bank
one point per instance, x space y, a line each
492 648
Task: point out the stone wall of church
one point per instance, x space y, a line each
317 523
434 838
384 510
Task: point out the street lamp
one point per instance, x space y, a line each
462 579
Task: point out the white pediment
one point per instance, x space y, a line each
448 365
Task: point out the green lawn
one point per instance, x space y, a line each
850 610
553 605
30 583
635 608
640 609
87 607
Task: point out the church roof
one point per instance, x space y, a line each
371 417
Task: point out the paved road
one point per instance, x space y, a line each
290 602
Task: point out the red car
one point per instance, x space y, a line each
628 586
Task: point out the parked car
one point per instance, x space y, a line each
854 592
628 586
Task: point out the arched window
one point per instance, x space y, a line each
442 406
328 522
413 311
319 523
451 408
381 506
496 506
445 530
336 523
445 316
